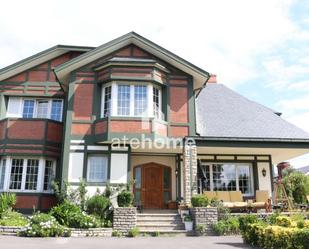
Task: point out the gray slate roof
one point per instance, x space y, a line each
221 112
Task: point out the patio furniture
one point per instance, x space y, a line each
230 199
262 200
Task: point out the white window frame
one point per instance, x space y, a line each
35 110
236 172
88 169
114 99
40 179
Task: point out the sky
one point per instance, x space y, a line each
257 47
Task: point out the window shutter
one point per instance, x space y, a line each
14 107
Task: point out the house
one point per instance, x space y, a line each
130 109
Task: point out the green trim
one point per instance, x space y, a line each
67 129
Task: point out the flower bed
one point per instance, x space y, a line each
278 232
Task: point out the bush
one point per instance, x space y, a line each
125 199
7 202
44 225
116 233
199 201
246 220
227 227
70 215
297 186
98 205
12 218
133 232
200 229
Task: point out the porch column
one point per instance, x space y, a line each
189 170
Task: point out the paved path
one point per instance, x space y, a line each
211 242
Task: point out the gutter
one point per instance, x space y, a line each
250 139
203 86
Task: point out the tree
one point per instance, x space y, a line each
297 185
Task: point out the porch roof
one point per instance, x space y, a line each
223 114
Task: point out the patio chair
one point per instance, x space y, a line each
238 200
262 200
210 194
224 196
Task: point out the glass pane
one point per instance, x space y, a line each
56 110
2 173
224 177
16 173
28 108
166 196
42 109
204 178
167 178
140 100
97 169
137 196
107 101
138 177
32 174
123 107
244 179
49 175
156 103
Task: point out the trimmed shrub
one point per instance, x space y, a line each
125 199
199 201
12 218
44 225
246 220
227 227
7 202
70 215
98 205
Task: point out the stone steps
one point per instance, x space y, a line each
165 222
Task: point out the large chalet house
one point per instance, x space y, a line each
132 110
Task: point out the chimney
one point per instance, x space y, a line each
212 79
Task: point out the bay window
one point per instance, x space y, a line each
27 174
131 100
226 177
35 108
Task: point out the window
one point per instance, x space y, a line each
156 102
134 100
28 108
140 100
32 174
42 109
97 169
107 101
56 110
35 175
2 173
49 175
123 100
16 173
226 177
35 108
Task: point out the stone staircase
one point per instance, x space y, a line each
162 221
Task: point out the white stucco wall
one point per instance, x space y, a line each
76 161
164 160
264 181
119 168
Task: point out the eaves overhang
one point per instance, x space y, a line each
199 75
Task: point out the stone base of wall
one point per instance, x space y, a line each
6 230
91 232
125 218
204 216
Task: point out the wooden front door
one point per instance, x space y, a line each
150 185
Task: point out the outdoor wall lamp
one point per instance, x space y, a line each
264 172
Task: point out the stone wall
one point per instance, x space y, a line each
91 232
189 171
204 216
125 218
9 230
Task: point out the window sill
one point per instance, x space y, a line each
32 119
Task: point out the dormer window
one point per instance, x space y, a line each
131 100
